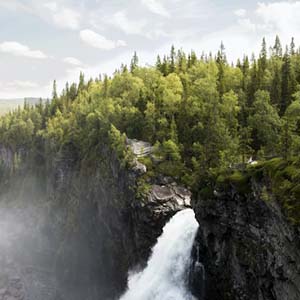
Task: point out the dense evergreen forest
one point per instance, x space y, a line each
202 113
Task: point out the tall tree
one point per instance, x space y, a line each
289 83
134 62
221 62
54 90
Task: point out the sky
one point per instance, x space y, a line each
43 40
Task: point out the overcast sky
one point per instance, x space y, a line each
42 40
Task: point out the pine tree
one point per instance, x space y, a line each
105 86
253 86
172 59
165 67
275 92
292 47
262 64
182 62
158 64
54 90
221 62
81 83
134 62
289 83
245 71
277 49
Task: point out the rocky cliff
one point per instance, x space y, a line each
72 228
246 248
83 225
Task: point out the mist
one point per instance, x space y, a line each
40 257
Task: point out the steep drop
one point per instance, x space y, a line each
165 276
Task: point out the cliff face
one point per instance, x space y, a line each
75 228
94 228
245 249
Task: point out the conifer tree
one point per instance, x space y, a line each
221 61
54 90
288 82
277 49
172 59
134 62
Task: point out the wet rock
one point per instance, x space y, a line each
248 248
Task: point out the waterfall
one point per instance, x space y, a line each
165 276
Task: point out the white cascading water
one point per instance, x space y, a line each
164 278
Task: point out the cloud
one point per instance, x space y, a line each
129 26
18 89
15 5
280 17
20 84
240 12
51 5
67 18
18 49
96 40
72 61
156 7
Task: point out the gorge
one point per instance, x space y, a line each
81 245
179 180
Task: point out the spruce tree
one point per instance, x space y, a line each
134 62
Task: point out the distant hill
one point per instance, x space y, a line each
7 105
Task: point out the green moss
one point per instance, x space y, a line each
280 180
206 193
234 178
283 178
265 194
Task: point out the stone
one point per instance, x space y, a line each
140 148
248 248
139 168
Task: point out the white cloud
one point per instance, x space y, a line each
280 17
247 25
127 25
51 5
96 40
14 5
20 84
156 7
72 61
67 18
18 49
240 12
22 89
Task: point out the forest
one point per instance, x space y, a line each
201 113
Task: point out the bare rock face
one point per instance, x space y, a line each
171 195
94 227
140 148
247 249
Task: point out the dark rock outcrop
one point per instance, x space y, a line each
94 228
247 247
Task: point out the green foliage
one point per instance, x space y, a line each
283 177
203 114
118 143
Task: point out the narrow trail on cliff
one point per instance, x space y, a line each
165 276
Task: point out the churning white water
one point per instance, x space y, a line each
164 278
